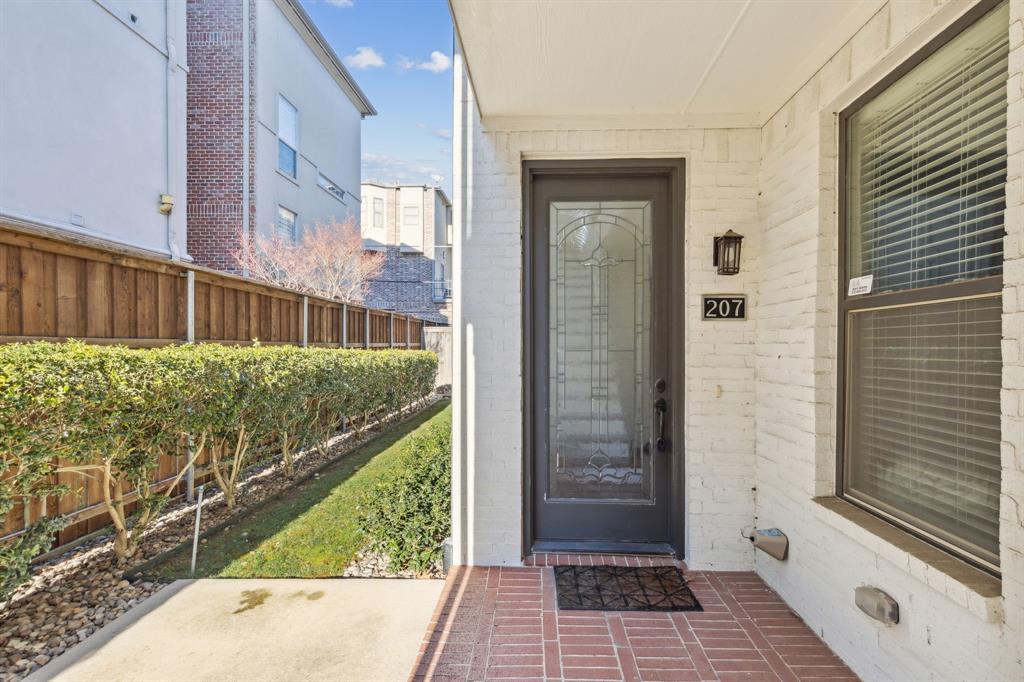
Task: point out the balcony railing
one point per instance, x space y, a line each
441 290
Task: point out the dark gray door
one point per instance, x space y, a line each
601 301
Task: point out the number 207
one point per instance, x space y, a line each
725 308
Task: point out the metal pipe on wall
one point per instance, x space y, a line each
171 131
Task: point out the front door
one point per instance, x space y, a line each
604 258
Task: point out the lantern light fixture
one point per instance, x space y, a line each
727 253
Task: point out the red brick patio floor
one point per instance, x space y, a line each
502 623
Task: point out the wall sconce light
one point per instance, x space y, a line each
166 204
727 253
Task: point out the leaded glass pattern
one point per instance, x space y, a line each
599 335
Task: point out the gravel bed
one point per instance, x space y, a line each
74 594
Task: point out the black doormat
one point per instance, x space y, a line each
623 588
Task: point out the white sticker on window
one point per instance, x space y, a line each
860 285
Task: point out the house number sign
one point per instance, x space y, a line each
724 306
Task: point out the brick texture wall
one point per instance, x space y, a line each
762 451
949 631
721 194
216 129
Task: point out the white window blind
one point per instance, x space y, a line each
924 417
928 167
925 166
286 224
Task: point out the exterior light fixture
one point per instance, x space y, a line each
727 253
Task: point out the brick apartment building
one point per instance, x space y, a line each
273 126
411 224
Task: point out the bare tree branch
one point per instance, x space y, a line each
328 260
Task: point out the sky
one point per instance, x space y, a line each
400 53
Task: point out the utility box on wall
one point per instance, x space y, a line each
877 604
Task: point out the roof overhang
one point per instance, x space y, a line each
303 23
647 63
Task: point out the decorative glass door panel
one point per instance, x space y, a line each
599 336
602 324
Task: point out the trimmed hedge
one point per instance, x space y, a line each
407 515
110 413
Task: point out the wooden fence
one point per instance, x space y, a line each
54 288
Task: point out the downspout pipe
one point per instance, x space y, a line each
171 136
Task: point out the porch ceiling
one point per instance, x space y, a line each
649 62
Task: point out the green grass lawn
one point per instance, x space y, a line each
311 530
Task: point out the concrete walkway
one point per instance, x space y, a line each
331 629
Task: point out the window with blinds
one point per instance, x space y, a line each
925 177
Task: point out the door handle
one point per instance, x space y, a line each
661 409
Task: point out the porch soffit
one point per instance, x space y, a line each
647 63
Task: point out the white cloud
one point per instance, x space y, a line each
443 133
340 3
439 63
364 58
389 169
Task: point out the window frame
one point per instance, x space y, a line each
295 222
405 215
280 140
330 186
988 287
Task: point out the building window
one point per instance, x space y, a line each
287 137
924 175
330 187
287 226
411 232
442 286
378 212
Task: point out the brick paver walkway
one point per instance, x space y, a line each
502 623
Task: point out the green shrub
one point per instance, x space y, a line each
111 413
407 515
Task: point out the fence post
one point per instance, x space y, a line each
190 337
190 306
305 321
366 318
408 331
391 330
344 325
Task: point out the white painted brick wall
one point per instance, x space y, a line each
721 175
947 632
776 186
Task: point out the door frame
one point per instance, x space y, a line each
675 171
